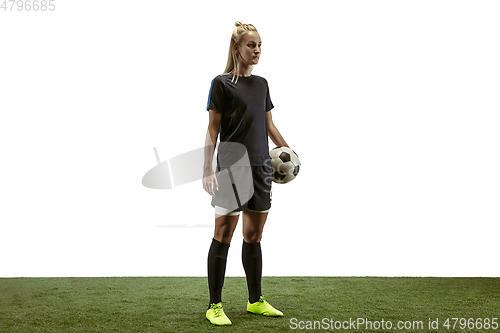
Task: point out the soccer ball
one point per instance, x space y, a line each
285 164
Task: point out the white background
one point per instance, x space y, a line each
392 107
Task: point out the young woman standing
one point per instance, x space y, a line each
239 109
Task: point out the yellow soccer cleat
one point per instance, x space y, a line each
263 308
216 315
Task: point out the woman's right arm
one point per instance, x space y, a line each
209 179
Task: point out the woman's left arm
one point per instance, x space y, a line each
273 132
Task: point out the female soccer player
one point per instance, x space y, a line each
239 109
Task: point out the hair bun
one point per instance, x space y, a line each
239 23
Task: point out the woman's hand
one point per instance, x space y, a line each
210 182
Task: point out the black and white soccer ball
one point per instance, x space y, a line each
285 164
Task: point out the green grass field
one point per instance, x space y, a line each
177 304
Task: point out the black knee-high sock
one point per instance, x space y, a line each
252 262
217 257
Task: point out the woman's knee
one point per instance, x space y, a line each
252 235
223 235
224 228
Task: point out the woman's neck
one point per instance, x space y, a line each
243 71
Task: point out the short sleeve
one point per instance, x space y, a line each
269 104
216 95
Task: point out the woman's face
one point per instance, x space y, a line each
249 49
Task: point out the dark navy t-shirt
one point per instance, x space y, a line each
243 106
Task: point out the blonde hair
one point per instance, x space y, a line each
232 61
